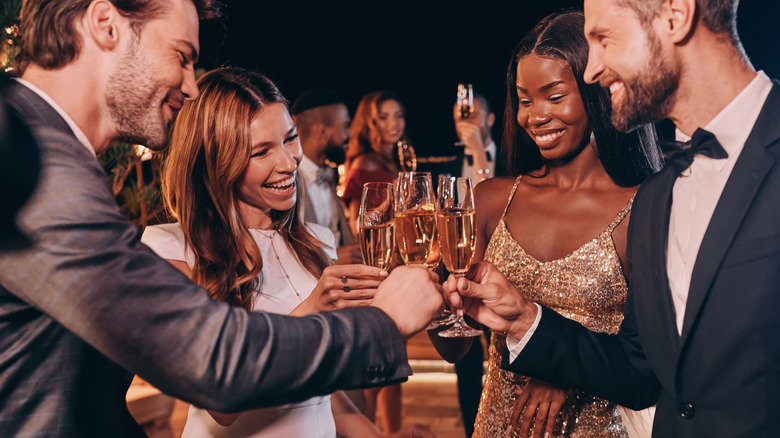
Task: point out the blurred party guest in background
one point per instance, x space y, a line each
87 306
479 149
240 235
557 229
379 124
322 119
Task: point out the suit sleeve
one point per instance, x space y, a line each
89 272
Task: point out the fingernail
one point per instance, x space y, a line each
509 430
547 435
383 273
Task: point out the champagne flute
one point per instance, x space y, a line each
415 217
455 224
376 225
465 104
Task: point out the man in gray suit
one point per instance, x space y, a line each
87 306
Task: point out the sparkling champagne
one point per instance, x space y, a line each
457 238
377 244
416 233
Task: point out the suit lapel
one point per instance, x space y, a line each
741 188
657 305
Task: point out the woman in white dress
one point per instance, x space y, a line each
231 182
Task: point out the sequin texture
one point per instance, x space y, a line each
587 286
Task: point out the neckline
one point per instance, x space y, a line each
565 257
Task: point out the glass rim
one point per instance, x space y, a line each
376 185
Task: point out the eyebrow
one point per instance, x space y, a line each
543 87
193 55
596 30
268 144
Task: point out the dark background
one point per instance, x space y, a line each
418 49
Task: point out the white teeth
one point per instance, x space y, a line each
282 184
613 87
548 137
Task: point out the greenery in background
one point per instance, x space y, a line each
9 33
135 181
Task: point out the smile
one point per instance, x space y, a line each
615 88
281 186
545 140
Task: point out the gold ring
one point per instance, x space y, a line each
345 288
344 279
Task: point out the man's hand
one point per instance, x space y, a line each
349 255
411 296
491 299
471 136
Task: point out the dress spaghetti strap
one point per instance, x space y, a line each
511 196
620 216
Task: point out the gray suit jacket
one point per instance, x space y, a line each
88 306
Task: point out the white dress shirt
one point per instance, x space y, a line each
319 193
695 196
80 136
468 169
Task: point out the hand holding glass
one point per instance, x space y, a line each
457 237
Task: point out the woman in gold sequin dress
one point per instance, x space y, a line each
557 231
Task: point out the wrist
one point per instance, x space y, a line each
524 321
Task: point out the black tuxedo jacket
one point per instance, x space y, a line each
88 306
721 377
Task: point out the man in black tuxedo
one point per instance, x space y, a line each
87 305
699 337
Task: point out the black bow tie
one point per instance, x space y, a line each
680 155
470 158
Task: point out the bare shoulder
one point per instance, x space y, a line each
490 196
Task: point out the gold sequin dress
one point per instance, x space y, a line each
587 286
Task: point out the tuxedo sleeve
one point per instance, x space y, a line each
89 272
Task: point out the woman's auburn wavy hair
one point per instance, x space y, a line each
364 134
209 150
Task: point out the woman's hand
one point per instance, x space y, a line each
540 402
342 286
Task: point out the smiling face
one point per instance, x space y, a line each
154 76
390 121
268 182
550 109
629 60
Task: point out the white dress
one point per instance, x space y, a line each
310 418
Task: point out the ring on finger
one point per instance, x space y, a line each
344 279
345 288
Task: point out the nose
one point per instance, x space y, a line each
189 87
538 115
595 66
288 159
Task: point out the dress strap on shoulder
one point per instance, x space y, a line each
621 215
511 195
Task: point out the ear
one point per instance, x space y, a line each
678 19
102 24
491 120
